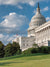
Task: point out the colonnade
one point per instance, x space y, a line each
43 35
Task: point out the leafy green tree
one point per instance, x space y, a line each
16 48
12 49
8 50
2 52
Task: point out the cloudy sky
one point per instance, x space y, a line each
15 16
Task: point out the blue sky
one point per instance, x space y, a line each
15 16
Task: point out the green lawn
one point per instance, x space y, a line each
28 61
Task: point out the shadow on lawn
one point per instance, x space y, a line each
6 63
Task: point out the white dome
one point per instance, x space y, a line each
38 19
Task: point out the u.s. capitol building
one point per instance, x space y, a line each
38 32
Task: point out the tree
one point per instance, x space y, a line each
16 48
8 50
12 49
2 52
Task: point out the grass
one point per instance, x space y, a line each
34 60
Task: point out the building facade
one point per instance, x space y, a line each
38 32
25 42
43 34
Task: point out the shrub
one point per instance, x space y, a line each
35 50
31 51
28 51
49 49
2 52
43 49
19 52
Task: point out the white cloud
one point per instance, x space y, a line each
4 38
14 2
17 2
12 20
1 35
7 38
48 18
42 10
20 7
32 3
12 23
45 9
11 38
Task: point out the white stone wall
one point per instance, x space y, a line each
31 32
43 34
26 42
